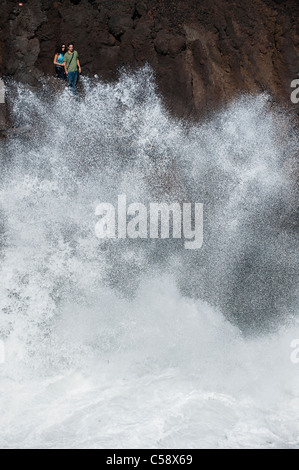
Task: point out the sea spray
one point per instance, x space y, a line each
115 343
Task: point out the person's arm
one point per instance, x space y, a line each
79 66
65 69
55 60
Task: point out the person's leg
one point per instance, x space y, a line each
75 79
62 74
70 79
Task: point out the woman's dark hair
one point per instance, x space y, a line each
59 48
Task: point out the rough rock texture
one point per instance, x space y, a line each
203 52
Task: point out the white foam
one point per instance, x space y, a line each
120 344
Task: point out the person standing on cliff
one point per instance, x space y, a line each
72 67
58 61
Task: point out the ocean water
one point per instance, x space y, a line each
142 343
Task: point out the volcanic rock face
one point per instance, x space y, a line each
203 53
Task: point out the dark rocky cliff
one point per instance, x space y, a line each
203 52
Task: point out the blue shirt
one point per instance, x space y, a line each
60 59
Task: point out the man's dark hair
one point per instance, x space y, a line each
70 44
